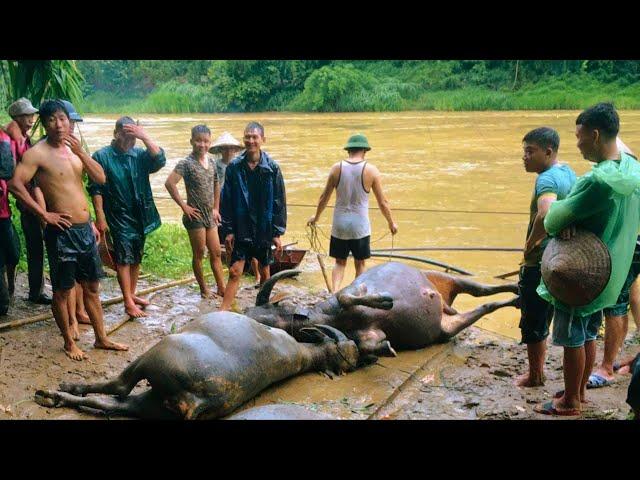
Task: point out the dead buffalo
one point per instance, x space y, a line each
389 305
215 364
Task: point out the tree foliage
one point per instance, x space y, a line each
322 85
40 79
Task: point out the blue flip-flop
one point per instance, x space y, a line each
598 381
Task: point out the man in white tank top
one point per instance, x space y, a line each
352 179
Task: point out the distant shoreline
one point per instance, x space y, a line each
558 94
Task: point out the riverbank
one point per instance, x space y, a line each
564 93
470 377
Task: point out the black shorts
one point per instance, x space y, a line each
360 248
9 243
73 255
128 250
247 251
535 313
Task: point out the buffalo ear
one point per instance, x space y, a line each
313 335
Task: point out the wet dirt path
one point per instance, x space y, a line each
470 377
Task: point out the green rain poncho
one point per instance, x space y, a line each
605 201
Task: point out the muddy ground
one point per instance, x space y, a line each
470 377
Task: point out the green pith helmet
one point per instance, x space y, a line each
357 141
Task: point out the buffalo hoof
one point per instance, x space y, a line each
382 301
48 398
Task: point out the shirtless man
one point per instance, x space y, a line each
58 163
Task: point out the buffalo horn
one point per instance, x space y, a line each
265 292
333 333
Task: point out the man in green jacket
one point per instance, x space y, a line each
605 201
125 204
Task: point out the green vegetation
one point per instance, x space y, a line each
167 252
39 80
349 86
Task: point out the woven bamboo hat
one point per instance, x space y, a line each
224 140
576 271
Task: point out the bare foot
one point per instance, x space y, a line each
134 311
219 292
74 353
83 317
624 370
143 302
109 345
527 381
207 294
75 332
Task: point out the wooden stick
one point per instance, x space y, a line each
324 272
110 301
507 275
127 318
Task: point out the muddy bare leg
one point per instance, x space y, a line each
450 286
81 312
454 324
338 274
96 315
60 310
145 405
73 321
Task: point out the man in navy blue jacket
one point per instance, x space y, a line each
253 209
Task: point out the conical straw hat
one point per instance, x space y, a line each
576 271
224 140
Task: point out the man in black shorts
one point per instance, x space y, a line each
253 209
352 180
59 162
554 181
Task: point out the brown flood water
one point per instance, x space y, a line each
466 161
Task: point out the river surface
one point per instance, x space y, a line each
457 163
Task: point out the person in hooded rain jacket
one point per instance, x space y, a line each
605 201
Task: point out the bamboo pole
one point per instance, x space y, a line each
324 273
124 320
423 260
105 303
507 275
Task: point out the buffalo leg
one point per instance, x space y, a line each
450 286
120 386
454 324
144 405
382 301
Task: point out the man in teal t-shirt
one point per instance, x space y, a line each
605 201
554 182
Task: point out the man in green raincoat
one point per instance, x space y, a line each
605 201
125 203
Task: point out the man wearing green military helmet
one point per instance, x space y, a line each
352 179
